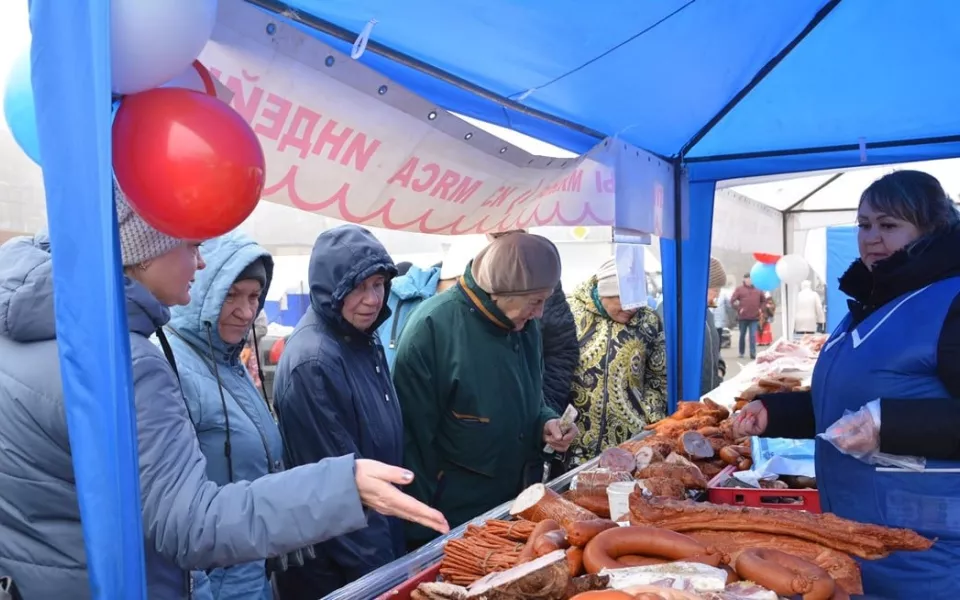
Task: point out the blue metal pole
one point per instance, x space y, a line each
71 84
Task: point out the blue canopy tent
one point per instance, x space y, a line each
724 89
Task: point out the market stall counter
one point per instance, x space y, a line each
414 566
571 537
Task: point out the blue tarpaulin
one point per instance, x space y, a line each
726 88
841 253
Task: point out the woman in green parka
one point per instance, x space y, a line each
469 376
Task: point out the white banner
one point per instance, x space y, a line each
343 141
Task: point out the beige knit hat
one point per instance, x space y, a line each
139 241
517 264
718 276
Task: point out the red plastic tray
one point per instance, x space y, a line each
808 500
403 591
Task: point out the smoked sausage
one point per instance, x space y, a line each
784 574
606 547
549 542
575 561
634 560
528 552
581 532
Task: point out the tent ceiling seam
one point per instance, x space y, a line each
758 78
282 9
605 53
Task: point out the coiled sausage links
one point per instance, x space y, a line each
607 546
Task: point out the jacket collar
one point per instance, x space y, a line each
482 301
928 260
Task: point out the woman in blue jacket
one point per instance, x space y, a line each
237 431
886 388
334 396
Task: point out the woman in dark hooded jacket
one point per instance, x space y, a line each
334 396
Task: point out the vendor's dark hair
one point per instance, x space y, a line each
915 197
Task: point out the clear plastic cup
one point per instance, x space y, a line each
618 494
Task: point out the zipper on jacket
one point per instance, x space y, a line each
606 376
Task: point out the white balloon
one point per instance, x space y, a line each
792 269
153 41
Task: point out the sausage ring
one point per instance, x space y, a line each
784 574
635 560
607 546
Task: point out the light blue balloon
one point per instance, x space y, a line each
18 108
764 277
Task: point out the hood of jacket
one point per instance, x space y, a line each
226 257
26 290
342 257
416 284
26 294
928 260
145 314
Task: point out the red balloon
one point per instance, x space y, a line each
767 259
188 163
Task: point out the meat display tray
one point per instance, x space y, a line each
405 589
808 500
394 580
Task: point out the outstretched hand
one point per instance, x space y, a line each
377 483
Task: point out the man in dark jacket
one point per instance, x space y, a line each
334 397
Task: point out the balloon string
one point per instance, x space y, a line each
206 78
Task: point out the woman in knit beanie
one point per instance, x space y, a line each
164 265
189 522
620 384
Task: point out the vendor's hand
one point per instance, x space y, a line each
751 420
377 483
856 434
556 438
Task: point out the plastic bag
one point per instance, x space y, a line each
777 456
857 434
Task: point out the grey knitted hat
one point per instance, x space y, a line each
139 241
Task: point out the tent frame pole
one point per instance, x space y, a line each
678 300
927 141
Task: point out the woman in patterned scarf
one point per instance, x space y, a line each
621 382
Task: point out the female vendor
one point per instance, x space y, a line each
885 397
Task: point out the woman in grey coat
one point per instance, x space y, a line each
189 522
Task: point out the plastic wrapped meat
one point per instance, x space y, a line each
692 577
